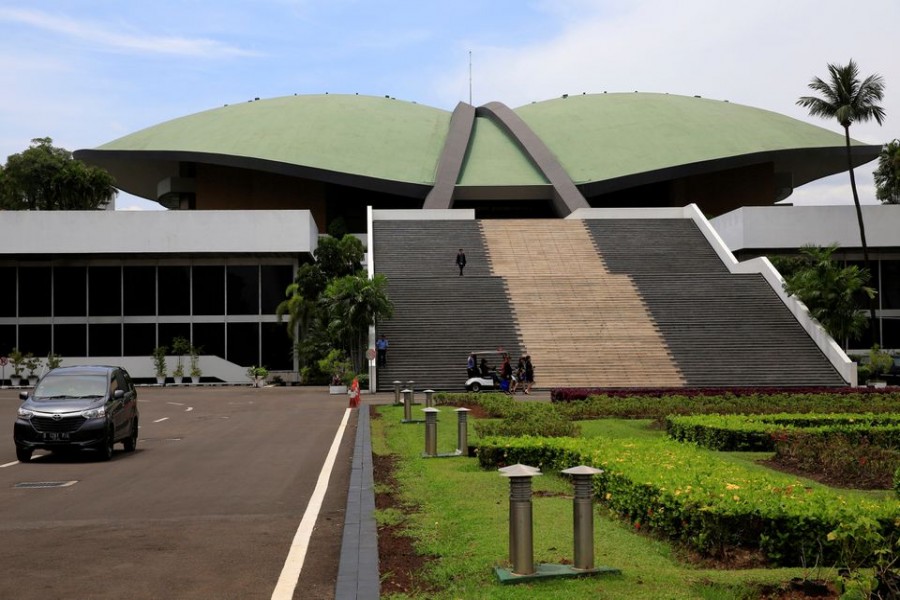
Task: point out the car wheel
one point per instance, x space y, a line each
476 387
23 454
131 441
106 450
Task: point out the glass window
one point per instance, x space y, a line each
891 332
70 340
275 279
243 290
70 292
890 291
8 297
105 339
7 339
105 291
169 331
210 338
209 290
864 341
34 292
243 344
139 289
34 339
140 339
174 290
276 347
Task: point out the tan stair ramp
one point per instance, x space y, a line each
582 325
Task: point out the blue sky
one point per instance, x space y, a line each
85 72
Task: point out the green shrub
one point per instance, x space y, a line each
854 462
535 420
897 481
691 496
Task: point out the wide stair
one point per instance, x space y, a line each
722 329
581 324
439 317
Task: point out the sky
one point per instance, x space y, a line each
86 72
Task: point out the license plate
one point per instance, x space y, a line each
56 437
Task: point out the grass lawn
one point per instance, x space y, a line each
461 519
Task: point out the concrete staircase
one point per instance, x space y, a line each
722 329
439 317
581 324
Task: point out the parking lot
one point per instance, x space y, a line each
206 507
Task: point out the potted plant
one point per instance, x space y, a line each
53 361
32 363
880 362
336 363
17 359
159 364
180 347
257 375
195 365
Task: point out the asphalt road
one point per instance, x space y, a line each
206 507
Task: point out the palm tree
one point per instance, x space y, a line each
887 175
353 303
848 100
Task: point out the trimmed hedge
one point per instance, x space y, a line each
518 418
658 407
687 494
570 394
758 432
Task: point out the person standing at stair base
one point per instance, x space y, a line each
528 378
461 261
381 345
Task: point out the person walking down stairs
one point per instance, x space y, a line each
461 261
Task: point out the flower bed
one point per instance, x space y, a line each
570 394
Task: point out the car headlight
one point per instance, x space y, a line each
24 413
94 413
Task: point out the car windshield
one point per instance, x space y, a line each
71 386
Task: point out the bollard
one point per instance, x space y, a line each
407 405
521 540
462 431
583 514
430 430
428 399
397 386
410 385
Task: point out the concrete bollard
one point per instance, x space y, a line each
428 398
583 514
521 531
407 405
462 431
430 430
397 386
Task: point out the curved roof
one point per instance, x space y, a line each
603 141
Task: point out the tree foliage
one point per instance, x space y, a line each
830 291
887 175
845 98
331 303
45 177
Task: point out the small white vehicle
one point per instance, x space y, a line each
485 375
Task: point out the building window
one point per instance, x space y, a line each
209 290
8 297
34 339
891 332
276 347
70 340
105 291
105 339
169 331
243 344
890 291
174 290
210 338
275 279
243 290
70 292
139 291
34 292
140 339
7 339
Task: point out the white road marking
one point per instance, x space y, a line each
189 409
176 403
161 420
293 564
15 462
